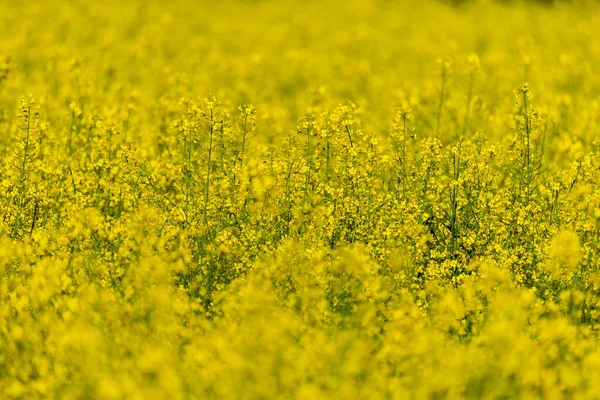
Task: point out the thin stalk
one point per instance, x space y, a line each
187 151
308 162
243 149
288 178
34 219
454 199
222 145
404 155
208 167
244 134
349 135
71 133
23 168
328 165
528 171
307 177
442 93
469 98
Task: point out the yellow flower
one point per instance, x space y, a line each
565 249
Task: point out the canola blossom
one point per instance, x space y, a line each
260 199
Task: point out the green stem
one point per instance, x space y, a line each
528 171
24 161
208 167
468 111
442 90
404 155
187 151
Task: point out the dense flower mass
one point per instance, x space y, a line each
311 200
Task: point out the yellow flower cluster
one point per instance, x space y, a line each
312 200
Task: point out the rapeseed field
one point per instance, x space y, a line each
260 199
